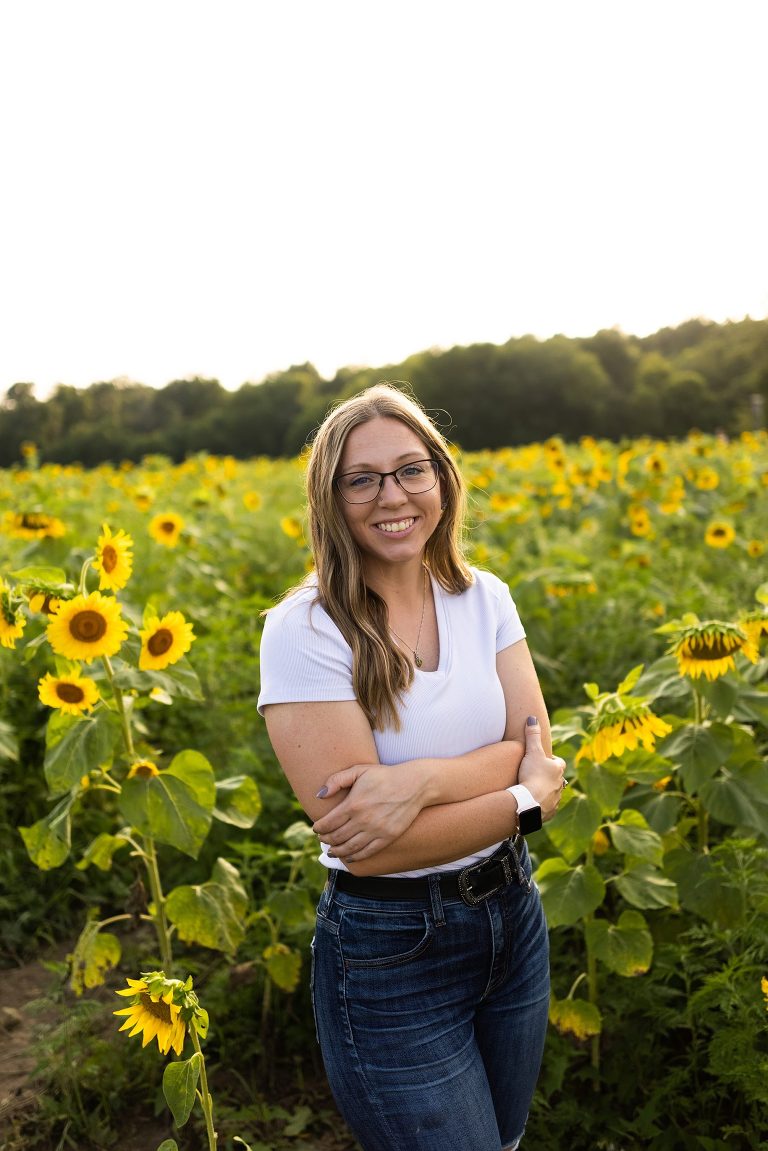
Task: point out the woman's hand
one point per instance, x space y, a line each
542 774
382 802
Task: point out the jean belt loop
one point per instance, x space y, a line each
436 899
329 889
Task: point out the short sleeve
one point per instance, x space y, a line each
509 627
304 658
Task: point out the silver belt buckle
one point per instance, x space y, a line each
465 879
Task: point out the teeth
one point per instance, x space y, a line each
396 525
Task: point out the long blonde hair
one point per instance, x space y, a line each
381 673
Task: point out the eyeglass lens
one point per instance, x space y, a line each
361 487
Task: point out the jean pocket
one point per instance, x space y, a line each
379 938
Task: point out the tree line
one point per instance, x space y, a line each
703 375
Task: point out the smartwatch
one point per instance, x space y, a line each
528 810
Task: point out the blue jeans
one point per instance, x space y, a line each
431 1015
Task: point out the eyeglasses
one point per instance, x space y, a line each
362 487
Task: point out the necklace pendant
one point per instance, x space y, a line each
417 660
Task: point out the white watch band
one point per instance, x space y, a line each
523 797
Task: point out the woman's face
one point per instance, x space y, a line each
393 528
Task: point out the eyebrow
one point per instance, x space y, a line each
413 455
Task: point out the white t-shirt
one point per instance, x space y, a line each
447 712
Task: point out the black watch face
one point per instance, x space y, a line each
529 820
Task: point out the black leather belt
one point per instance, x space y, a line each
473 885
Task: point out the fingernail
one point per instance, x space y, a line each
322 793
330 855
531 721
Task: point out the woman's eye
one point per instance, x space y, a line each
411 470
360 480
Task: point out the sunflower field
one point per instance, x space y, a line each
153 855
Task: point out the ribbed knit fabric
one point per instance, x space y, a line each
447 712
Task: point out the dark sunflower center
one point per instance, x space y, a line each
160 642
70 693
721 647
108 558
159 1009
718 533
168 526
33 521
87 626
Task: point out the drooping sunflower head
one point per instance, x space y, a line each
165 528
87 627
71 692
164 641
755 624
114 559
143 769
719 534
44 602
12 620
624 727
32 526
708 647
153 1014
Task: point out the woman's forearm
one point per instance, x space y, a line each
441 834
458 778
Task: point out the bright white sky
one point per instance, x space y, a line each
231 187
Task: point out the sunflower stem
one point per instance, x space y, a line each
205 1098
160 921
82 588
120 705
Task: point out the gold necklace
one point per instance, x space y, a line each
416 657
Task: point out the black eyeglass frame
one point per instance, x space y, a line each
383 475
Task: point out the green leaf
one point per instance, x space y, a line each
179 1086
100 850
41 575
9 747
569 893
291 907
604 783
645 886
699 751
237 801
48 841
577 820
180 680
77 744
731 696
662 680
632 836
211 913
626 947
95 952
629 681
738 796
705 888
283 966
168 1145
575 1017
174 807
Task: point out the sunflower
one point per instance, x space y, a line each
252 500
164 641
706 479
45 602
114 561
32 526
707 647
291 527
755 624
144 769
71 693
86 627
639 521
755 548
12 622
719 534
617 732
165 528
153 1014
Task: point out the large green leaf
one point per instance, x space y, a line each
625 947
575 1017
632 836
283 965
237 801
291 907
100 850
179 680
732 696
94 954
76 745
577 820
698 750
175 806
41 575
604 783
662 681
738 796
569 893
179 1087
48 840
706 888
211 913
645 886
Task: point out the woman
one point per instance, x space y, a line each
404 708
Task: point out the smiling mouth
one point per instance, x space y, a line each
393 527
